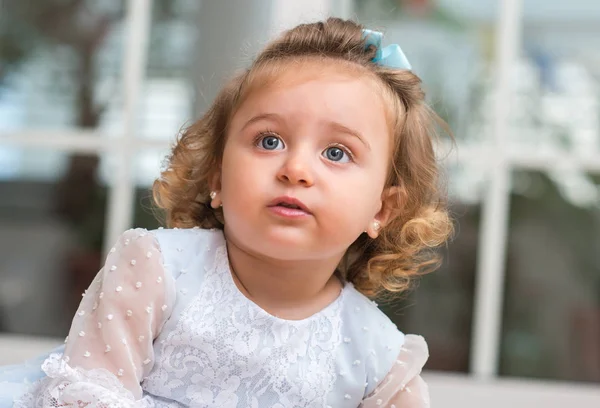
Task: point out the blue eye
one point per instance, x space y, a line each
336 154
271 143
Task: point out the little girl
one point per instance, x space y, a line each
309 184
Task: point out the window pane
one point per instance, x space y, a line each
557 105
52 213
441 308
449 44
60 64
551 325
168 93
148 167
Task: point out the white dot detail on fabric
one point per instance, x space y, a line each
138 285
81 333
95 306
127 241
129 313
164 307
99 325
118 289
81 313
347 340
87 354
376 379
147 361
124 341
101 295
107 349
141 338
356 362
109 317
158 280
113 268
379 401
112 250
120 372
66 339
148 309
148 254
347 396
133 262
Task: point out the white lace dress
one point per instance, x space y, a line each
164 325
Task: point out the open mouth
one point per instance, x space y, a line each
289 207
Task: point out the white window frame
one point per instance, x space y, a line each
481 387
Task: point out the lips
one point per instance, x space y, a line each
290 203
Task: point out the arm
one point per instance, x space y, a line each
109 348
403 386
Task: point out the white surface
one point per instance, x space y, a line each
455 391
16 349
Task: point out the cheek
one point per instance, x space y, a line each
354 203
240 177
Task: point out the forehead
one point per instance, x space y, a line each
318 88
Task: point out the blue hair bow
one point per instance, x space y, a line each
390 56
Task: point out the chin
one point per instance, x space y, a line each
286 245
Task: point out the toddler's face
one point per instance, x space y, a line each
305 164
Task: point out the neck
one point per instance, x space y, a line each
296 288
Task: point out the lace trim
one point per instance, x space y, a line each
227 353
66 386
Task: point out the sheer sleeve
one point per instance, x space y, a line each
403 386
109 348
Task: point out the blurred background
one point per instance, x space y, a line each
92 93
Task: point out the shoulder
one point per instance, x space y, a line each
170 244
181 239
362 315
377 340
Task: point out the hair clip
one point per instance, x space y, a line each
390 56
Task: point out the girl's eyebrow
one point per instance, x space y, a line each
334 126
339 128
263 116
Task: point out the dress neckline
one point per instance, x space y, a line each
223 267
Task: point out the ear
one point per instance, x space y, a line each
392 199
214 180
214 183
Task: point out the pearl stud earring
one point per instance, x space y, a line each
376 225
213 194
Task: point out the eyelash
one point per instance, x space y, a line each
267 132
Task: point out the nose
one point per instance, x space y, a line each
297 169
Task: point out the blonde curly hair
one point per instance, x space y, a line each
405 247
